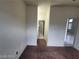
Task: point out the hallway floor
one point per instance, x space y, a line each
32 52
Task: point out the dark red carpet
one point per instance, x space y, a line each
32 52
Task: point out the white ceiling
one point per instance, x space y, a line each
7 0
53 2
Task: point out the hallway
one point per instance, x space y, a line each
32 52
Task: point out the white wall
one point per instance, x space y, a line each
21 12
76 45
58 16
31 25
12 28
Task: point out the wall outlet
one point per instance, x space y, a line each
16 52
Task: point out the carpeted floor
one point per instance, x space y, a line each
32 52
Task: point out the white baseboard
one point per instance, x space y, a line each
77 48
21 51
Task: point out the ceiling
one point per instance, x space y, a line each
7 0
53 2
